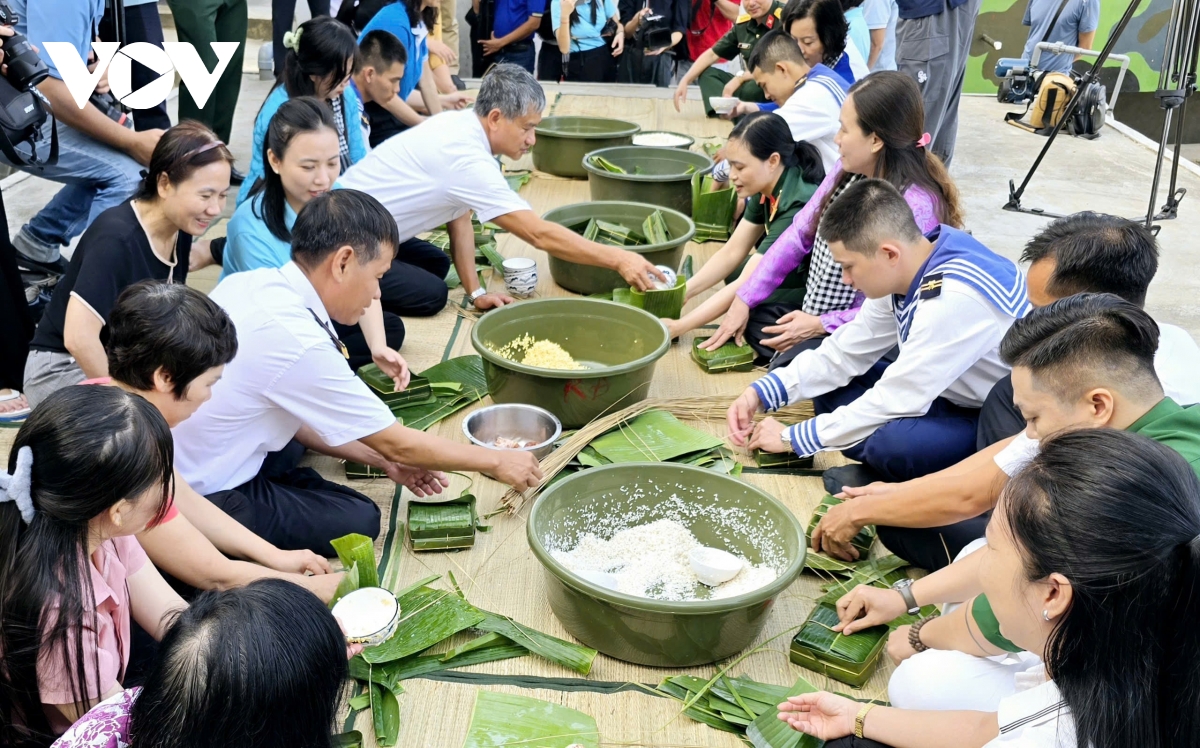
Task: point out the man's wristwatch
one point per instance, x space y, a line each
904 587
476 294
787 440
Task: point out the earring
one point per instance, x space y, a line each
1046 615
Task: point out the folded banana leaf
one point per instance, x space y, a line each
712 212
359 471
466 371
862 541
350 582
729 357
782 461
505 720
601 162
655 436
417 391
666 303
606 232
711 149
849 659
655 228
446 525
876 572
573 656
385 715
736 704
358 550
354 738
427 616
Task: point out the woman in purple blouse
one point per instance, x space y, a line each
881 136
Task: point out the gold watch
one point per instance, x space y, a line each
860 718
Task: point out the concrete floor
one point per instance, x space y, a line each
1111 174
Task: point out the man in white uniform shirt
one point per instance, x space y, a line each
289 389
442 170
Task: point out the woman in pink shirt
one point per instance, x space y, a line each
880 136
90 468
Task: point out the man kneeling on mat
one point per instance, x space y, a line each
946 301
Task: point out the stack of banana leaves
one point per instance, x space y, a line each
657 436
432 395
653 231
502 720
665 303
784 462
729 357
741 706
443 525
430 616
601 162
823 562
712 211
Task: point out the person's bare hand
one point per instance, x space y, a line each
741 109
740 416
491 46
680 94
456 100
768 436
299 562
420 481
835 531
492 301
733 326
732 86
866 606
878 488
143 144
323 586
898 647
351 649
201 256
392 364
442 50
792 328
823 715
637 271
674 327
618 45
102 86
518 469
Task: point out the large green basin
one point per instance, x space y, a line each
562 142
663 177
620 344
721 511
589 279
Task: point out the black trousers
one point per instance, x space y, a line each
593 66
356 341
933 548
415 286
283 12
294 507
1000 417
16 323
142 24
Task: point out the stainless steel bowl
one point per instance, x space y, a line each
514 421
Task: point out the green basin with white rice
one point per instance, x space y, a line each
617 344
720 512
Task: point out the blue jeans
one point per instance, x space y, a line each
95 177
524 56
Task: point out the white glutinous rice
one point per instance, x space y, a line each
661 139
652 560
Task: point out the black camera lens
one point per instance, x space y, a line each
25 68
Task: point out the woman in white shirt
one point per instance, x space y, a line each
1093 560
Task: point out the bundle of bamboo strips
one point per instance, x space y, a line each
704 408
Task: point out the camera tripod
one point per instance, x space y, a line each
1176 83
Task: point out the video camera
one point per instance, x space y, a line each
1018 81
25 68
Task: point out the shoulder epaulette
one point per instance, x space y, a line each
743 18
778 13
931 286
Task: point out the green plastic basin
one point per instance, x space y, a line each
620 345
562 142
589 279
721 511
664 179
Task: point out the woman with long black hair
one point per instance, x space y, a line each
1092 562
593 37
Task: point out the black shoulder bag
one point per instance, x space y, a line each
22 114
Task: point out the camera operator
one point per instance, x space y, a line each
654 28
1076 27
99 158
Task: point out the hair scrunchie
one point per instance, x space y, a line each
291 39
18 486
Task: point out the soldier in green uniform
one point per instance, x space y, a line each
758 17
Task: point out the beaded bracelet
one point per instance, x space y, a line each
914 634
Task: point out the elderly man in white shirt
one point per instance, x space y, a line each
442 170
289 389
946 301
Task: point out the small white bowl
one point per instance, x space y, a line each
723 104
713 566
370 615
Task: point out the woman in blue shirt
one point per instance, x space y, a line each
582 26
319 62
301 153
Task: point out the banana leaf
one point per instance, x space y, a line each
729 357
479 642
385 716
517 179
862 541
453 281
385 387
712 212
352 739
701 714
427 616
686 268
350 582
464 370
711 149
666 303
547 647
782 461
654 436
442 525
360 702
877 572
655 228
507 720
390 675
768 731
589 457
358 550
849 659
601 162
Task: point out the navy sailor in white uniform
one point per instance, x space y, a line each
944 299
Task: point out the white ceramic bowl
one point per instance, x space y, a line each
370 615
520 276
723 104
